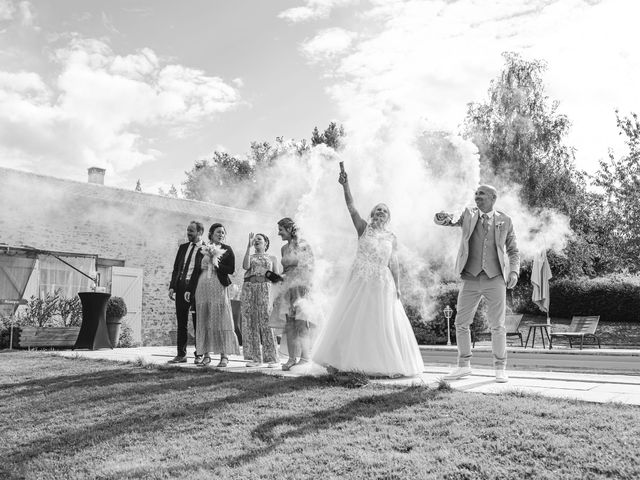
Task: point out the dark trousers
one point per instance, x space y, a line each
182 315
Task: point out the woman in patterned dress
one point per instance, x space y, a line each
210 281
368 330
256 304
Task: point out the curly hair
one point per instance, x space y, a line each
290 226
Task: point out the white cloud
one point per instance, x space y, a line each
327 44
7 10
313 10
420 59
100 104
26 13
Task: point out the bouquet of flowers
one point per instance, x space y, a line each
214 252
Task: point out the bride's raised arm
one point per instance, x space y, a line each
357 220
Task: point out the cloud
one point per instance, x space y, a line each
314 10
97 108
327 44
27 15
7 10
428 59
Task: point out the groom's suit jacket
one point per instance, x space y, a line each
505 240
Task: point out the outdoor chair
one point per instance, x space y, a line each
581 327
511 324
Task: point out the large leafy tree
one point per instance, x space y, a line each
619 179
213 180
216 179
520 135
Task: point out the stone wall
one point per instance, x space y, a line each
141 229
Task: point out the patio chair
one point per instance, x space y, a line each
581 327
511 324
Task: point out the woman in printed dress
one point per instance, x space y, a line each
368 330
256 304
210 280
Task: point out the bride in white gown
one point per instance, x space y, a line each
368 330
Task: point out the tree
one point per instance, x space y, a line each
520 136
138 186
332 137
619 179
214 180
172 193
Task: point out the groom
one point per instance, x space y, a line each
488 263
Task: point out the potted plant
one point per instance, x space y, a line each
116 309
52 321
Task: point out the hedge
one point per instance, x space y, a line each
430 327
614 298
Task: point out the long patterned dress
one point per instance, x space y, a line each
256 309
215 331
368 330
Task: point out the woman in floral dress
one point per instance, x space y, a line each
256 304
210 281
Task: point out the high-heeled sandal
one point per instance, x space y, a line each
205 361
224 361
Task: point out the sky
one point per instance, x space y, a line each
144 88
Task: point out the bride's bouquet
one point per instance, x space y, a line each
214 252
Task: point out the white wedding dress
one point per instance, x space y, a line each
368 330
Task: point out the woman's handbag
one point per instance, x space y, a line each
273 276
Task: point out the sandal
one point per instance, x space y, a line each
205 361
287 366
224 361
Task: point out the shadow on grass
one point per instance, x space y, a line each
123 400
307 424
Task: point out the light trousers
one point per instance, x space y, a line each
494 291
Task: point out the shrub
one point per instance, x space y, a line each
431 327
126 337
70 311
39 312
51 311
5 331
116 308
615 298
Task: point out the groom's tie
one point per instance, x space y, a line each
485 223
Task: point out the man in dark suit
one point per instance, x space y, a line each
182 270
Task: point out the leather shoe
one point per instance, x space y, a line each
501 376
178 359
198 359
458 373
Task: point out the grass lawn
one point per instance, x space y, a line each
68 418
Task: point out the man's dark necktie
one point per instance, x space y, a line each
185 268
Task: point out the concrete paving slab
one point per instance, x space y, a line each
590 387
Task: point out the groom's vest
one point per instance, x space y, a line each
482 251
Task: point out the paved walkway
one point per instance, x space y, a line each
590 387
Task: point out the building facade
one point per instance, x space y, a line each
129 238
